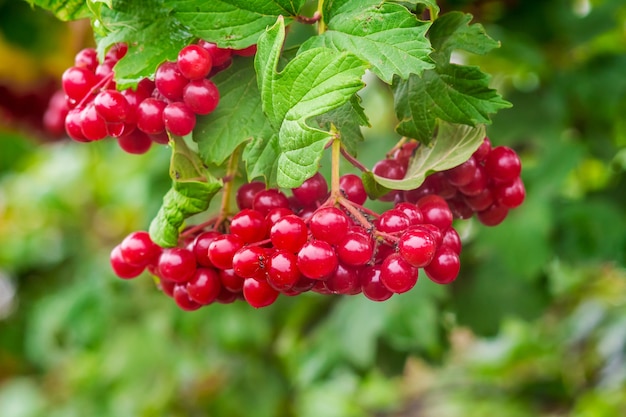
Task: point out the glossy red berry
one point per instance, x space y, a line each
445 266
312 190
182 299
201 96
351 187
223 248
259 293
176 264
266 200
289 233
329 224
169 81
77 82
397 275
194 62
150 116
179 119
282 270
371 284
510 195
249 225
201 247
317 259
246 193
138 249
355 249
249 262
436 211
111 105
417 246
204 286
503 164
121 267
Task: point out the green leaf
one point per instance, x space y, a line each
155 30
386 35
261 158
65 9
233 23
238 118
453 145
373 189
192 190
452 31
313 83
149 29
348 120
453 93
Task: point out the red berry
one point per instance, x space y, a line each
351 186
77 82
249 225
436 211
249 262
282 270
194 62
135 142
345 280
179 119
317 259
493 216
138 249
417 247
121 267
445 266
204 286
169 81
355 249
329 224
312 190
393 221
219 56
176 264
289 233
503 164
111 105
246 193
397 274
511 194
222 250
201 96
371 284
201 247
266 200
150 116
182 299
259 293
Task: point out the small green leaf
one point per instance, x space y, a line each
430 4
149 29
192 190
348 120
386 35
453 145
261 158
238 118
313 83
65 9
373 189
453 93
452 31
233 23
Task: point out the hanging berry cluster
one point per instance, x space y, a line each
90 108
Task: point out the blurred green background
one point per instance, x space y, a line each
534 326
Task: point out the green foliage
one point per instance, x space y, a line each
314 82
534 326
386 35
192 190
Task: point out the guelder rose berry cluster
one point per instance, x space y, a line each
90 108
307 242
488 184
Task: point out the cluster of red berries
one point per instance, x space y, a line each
290 245
90 108
488 184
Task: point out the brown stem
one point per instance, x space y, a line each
309 20
353 161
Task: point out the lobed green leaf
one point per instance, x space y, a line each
238 118
313 83
347 120
386 35
453 93
192 190
66 9
453 145
452 31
